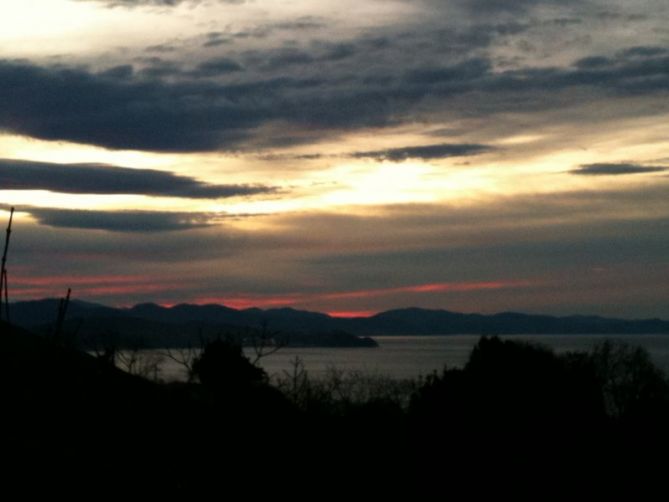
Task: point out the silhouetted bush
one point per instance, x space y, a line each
514 384
222 365
337 392
633 387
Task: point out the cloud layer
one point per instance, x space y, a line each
122 109
569 251
427 152
105 179
607 169
119 221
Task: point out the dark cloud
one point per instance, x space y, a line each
278 59
218 66
216 38
121 72
296 26
593 62
613 15
427 152
464 40
281 58
563 21
486 8
216 42
291 156
119 221
644 51
465 72
500 6
122 109
337 52
617 169
76 105
106 179
299 24
167 47
621 76
157 68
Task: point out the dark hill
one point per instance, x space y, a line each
184 322
148 325
74 423
415 321
63 408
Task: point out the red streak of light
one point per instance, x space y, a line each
82 280
429 288
118 285
246 302
352 313
128 289
91 286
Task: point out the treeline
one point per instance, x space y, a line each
515 413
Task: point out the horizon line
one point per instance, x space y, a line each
335 314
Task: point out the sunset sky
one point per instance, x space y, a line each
345 156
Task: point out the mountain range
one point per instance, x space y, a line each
160 325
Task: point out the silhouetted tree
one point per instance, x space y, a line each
184 357
513 402
222 365
633 387
63 305
526 383
264 341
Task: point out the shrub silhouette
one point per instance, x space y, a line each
511 404
514 384
633 387
222 365
526 382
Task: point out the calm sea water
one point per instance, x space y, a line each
412 356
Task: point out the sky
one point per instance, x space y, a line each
348 156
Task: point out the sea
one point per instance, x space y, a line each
408 357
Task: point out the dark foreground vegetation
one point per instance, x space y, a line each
516 416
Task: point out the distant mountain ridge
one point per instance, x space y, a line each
93 326
409 321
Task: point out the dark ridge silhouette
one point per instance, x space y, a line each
167 326
434 322
149 325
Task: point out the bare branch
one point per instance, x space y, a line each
184 356
62 311
265 342
4 289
